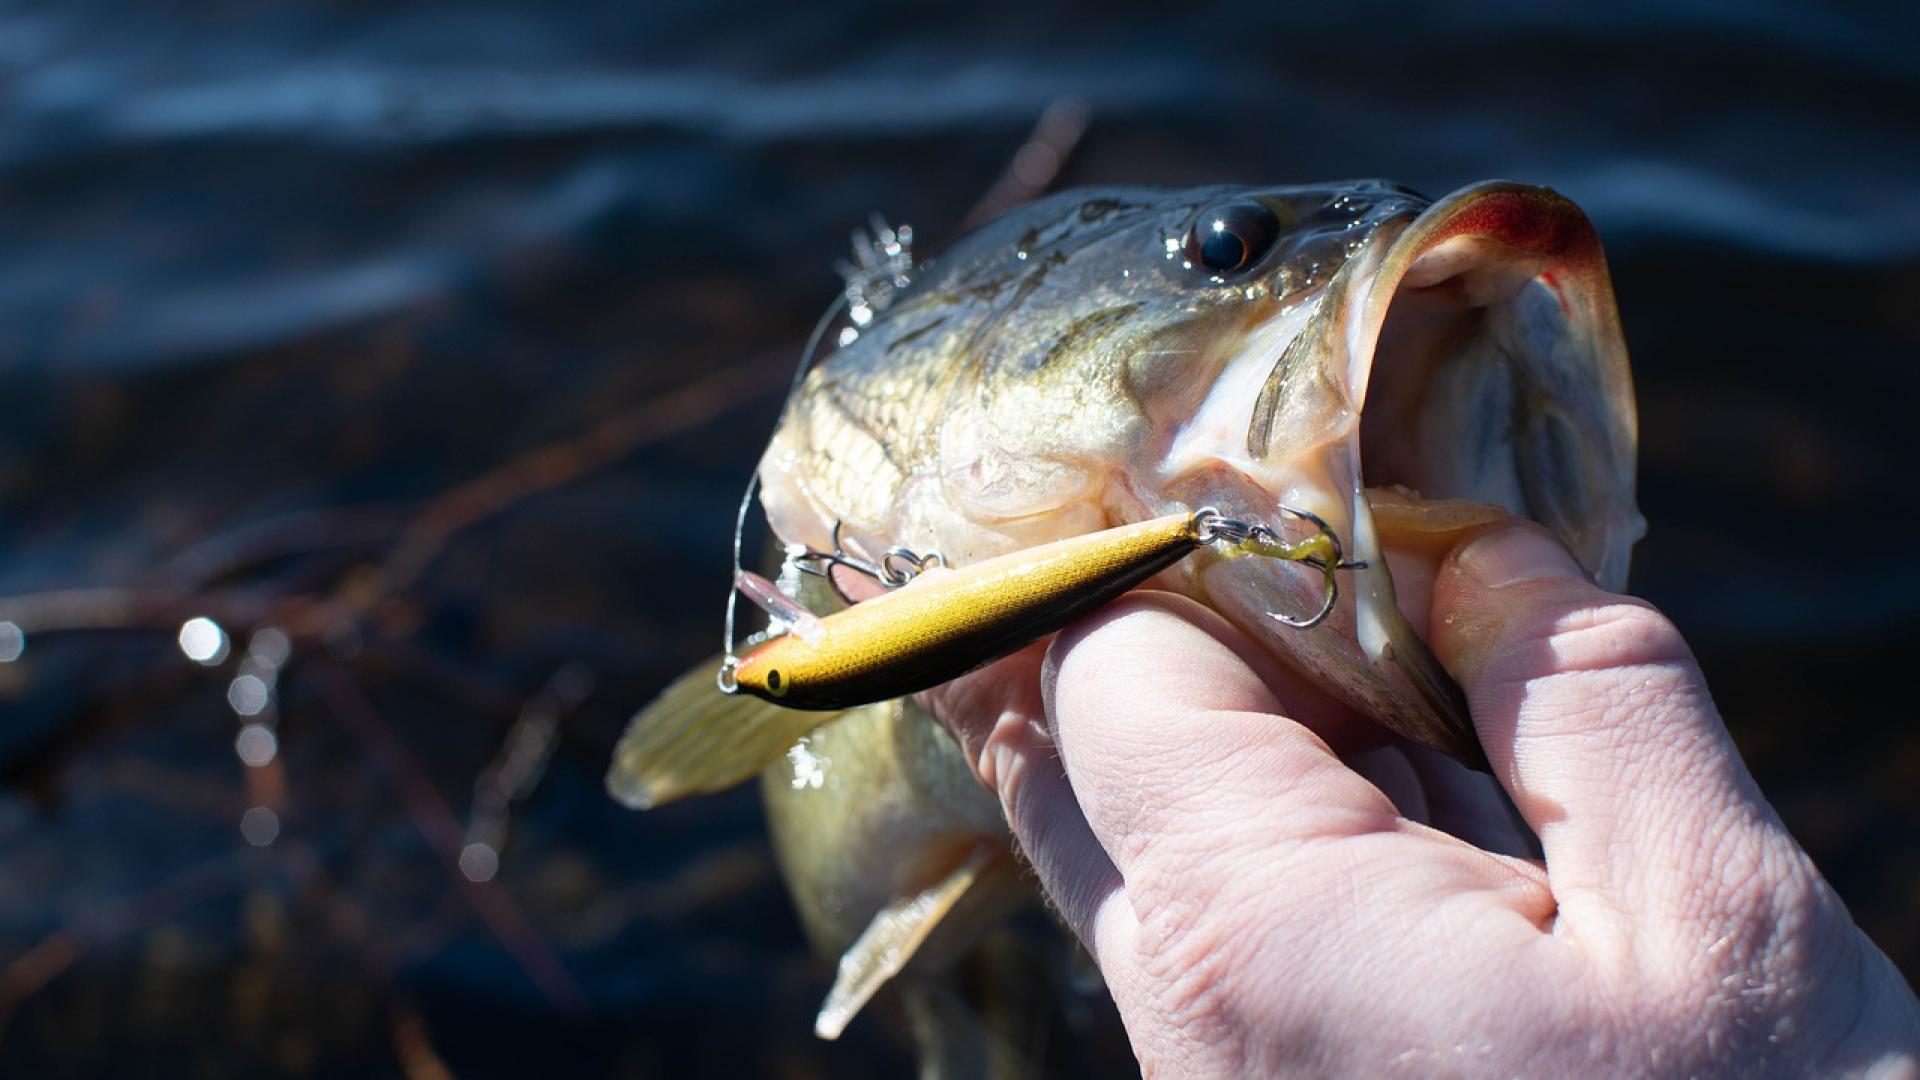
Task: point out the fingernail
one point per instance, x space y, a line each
1514 554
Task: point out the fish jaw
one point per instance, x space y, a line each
1467 364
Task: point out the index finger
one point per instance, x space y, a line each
1174 732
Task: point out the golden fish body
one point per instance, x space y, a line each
886 779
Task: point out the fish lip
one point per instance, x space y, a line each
1501 238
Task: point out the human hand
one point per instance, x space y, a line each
1265 892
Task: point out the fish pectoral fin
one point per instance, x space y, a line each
895 934
694 739
1455 734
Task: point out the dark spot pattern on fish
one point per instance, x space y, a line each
1292 366
1100 209
1085 333
1029 282
909 337
1267 406
856 411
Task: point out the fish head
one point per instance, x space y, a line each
1403 370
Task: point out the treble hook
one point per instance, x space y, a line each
1322 551
895 568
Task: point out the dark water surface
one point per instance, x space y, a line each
274 282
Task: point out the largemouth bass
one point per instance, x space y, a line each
1402 369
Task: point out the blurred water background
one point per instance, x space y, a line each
422 348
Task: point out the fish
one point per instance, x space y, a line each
1405 370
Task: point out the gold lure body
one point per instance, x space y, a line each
945 623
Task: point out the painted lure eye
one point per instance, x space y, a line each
1231 237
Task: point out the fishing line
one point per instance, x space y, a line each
727 663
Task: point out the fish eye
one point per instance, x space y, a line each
776 685
1232 237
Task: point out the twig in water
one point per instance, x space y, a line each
437 823
1037 164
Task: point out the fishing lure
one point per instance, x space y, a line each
949 622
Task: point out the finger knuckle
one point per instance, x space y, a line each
1188 948
1608 671
1751 955
1619 633
1762 907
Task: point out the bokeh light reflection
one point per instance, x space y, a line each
203 641
260 826
248 694
256 744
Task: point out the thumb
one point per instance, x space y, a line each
1598 721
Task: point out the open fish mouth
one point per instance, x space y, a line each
1464 365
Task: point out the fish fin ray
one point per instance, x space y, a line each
891 939
694 739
